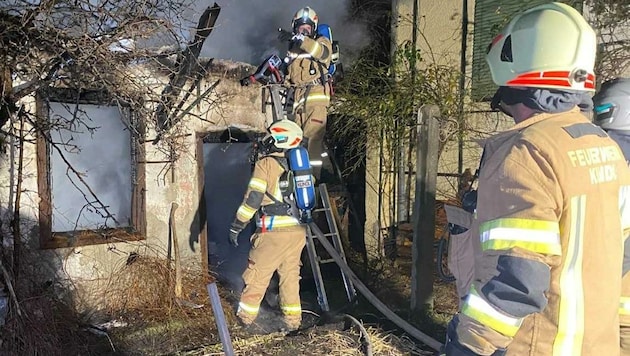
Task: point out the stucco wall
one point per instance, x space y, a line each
438 39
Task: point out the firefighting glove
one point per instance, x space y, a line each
235 230
297 40
284 35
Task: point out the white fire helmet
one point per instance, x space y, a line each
303 16
548 46
286 134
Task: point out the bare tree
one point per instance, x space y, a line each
611 20
91 45
122 50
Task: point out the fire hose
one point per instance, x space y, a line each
400 322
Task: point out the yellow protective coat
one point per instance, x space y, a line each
312 97
276 246
554 198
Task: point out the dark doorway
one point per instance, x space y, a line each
227 170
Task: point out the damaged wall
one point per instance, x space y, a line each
84 272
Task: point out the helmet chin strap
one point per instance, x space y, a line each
267 145
495 104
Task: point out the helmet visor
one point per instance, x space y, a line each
604 113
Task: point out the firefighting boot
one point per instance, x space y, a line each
249 326
244 318
292 322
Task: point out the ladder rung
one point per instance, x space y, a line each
330 234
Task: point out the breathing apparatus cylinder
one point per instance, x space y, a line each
303 182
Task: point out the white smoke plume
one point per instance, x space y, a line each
246 30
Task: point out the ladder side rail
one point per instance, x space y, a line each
334 233
322 298
276 102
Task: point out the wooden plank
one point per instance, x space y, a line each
201 209
186 61
43 164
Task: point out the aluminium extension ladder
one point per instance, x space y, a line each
315 260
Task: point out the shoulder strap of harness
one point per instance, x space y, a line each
285 166
283 162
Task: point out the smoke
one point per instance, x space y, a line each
246 30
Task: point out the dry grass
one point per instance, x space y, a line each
329 339
47 327
140 298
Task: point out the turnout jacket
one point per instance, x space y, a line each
308 69
263 183
623 140
310 60
554 198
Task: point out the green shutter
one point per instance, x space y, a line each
490 17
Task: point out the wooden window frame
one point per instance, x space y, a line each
51 240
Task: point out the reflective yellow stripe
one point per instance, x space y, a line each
278 221
568 341
315 49
301 55
291 309
624 206
317 98
245 212
249 309
624 306
533 235
477 308
258 185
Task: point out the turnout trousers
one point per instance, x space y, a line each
274 251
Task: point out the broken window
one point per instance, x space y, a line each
89 178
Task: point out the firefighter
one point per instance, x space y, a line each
553 201
309 57
612 113
279 238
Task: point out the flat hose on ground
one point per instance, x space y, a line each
365 337
400 322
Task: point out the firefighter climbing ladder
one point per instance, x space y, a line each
276 95
278 100
315 259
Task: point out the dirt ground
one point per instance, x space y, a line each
142 317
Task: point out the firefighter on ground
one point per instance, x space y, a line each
309 57
553 200
612 113
279 238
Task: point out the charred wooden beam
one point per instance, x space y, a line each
186 61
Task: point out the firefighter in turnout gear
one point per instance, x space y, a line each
612 113
553 202
309 57
279 238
